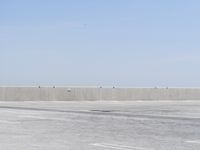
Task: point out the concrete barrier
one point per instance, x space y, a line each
95 94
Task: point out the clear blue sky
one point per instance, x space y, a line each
133 43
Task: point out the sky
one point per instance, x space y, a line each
125 43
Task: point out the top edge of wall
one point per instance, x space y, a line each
117 87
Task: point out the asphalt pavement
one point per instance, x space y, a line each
101 125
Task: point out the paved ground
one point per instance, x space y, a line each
100 125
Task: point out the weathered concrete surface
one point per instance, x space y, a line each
20 93
100 125
94 94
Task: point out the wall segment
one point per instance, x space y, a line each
95 94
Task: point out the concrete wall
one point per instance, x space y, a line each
81 94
